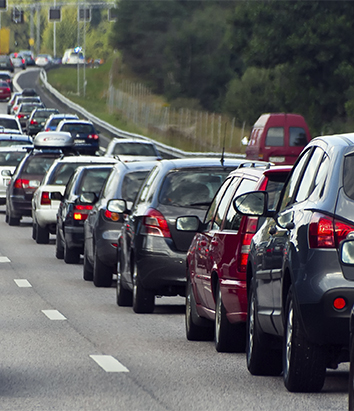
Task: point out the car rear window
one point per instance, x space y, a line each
78 128
11 158
37 165
134 149
8 143
3 84
132 183
348 176
93 180
9 123
191 188
297 137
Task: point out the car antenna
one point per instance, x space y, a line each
222 160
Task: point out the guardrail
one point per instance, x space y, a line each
116 132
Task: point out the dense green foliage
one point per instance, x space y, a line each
245 57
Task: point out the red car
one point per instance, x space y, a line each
216 298
5 90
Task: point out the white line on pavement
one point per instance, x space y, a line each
4 260
53 314
109 363
23 283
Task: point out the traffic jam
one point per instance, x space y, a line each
260 247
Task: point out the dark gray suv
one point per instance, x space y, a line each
300 293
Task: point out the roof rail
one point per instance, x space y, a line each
255 164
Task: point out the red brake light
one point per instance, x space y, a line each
111 216
249 230
339 303
34 122
20 115
45 199
326 232
154 223
24 183
81 212
92 137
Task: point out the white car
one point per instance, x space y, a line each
10 124
10 157
43 60
132 150
44 209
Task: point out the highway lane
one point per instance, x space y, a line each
47 364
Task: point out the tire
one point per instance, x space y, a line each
34 230
124 296
71 255
6 216
197 329
228 337
88 269
351 375
59 249
261 359
304 363
12 221
42 235
143 299
102 273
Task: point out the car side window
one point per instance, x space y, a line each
306 183
221 210
213 206
289 189
275 137
146 188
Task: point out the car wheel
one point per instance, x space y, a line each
351 375
194 331
102 273
59 249
124 296
228 337
261 359
71 255
88 269
13 220
42 235
143 299
304 363
34 230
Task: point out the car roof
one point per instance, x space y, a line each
134 165
197 162
10 136
73 121
86 159
131 140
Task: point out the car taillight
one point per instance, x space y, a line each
111 216
20 115
81 212
24 183
92 137
45 199
34 122
15 108
249 230
154 223
326 232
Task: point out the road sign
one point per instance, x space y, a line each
3 5
54 14
84 15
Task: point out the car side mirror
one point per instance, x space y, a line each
117 206
188 223
252 204
56 195
346 251
6 173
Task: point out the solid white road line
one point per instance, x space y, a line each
23 283
109 363
4 260
53 314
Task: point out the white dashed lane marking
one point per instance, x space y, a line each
109 363
23 283
5 260
53 314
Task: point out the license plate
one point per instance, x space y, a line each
277 159
80 141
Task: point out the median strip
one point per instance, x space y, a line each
109 363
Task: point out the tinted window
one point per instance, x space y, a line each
134 149
8 123
233 219
275 136
209 215
150 180
62 173
38 165
221 210
93 180
11 158
78 128
349 176
132 183
7 143
321 178
297 137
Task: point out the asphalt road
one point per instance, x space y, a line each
67 346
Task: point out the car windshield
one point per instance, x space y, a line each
134 149
191 188
132 183
11 158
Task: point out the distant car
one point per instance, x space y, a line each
103 224
5 91
30 172
18 60
10 157
216 300
44 209
28 55
83 187
86 137
73 56
24 111
132 150
24 99
29 92
151 252
37 119
6 63
53 121
12 101
43 60
10 124
8 140
4 75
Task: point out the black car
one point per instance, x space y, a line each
81 192
37 119
103 224
300 288
29 173
6 63
24 111
151 252
85 135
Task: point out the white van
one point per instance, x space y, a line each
73 56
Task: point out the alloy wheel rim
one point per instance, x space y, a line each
250 329
289 335
218 318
